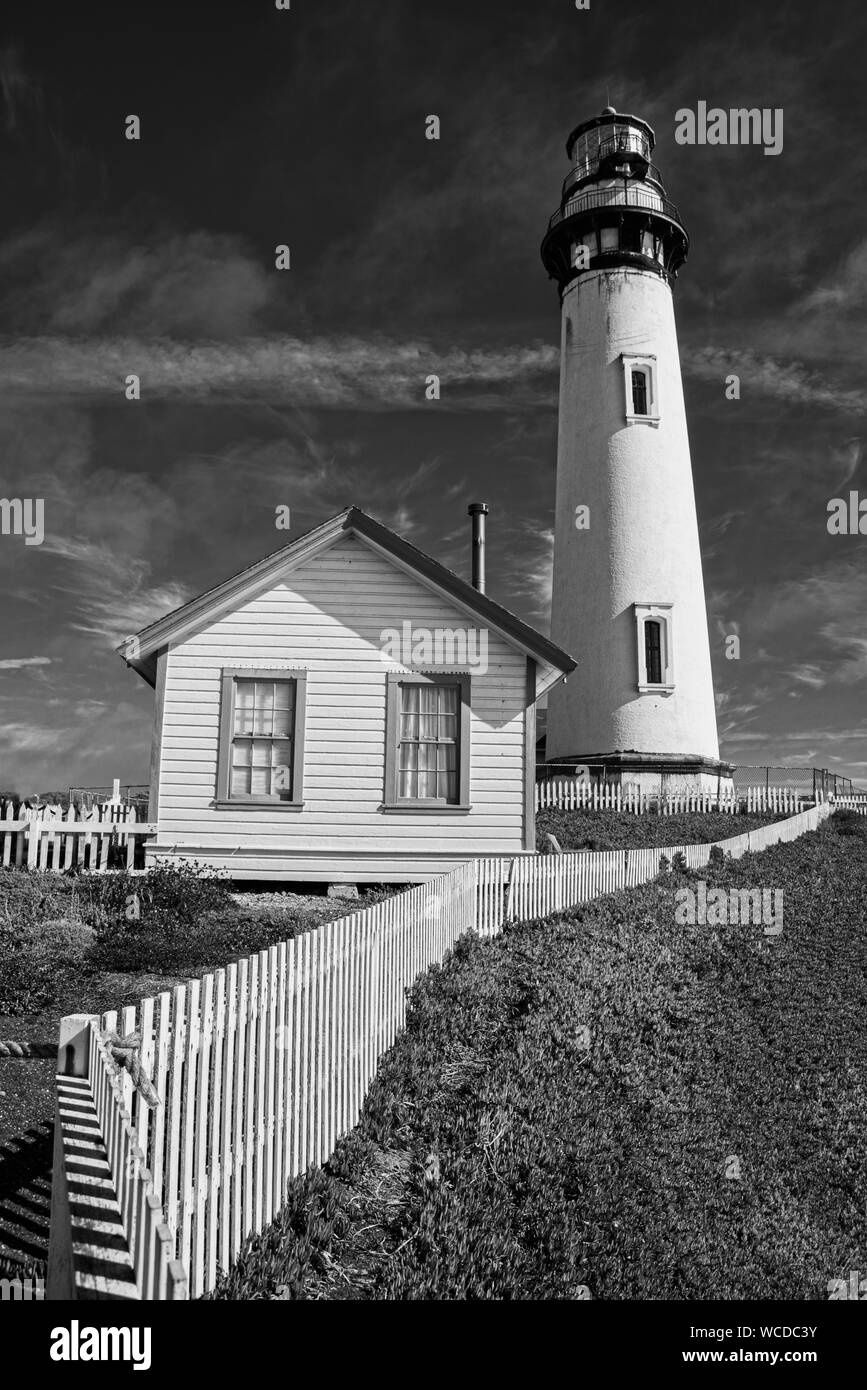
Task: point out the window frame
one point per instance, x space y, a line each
391 801
646 364
225 800
661 613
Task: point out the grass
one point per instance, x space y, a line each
608 1104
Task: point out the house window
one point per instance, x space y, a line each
428 745
261 755
427 742
641 390
655 647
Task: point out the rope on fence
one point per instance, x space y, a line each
124 1055
28 1049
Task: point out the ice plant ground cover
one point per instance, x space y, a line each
623 830
608 1104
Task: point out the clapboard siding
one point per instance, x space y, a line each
328 617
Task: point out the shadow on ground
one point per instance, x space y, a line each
25 1192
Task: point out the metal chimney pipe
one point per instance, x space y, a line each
478 511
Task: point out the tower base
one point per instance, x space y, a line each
653 773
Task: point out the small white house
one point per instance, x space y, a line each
346 710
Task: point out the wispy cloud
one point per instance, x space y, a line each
770 376
330 373
809 675
115 598
17 663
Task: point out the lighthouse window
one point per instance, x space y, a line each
653 651
640 389
654 633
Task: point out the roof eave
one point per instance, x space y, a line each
138 649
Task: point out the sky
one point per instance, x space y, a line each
306 387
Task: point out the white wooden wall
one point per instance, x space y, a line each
328 617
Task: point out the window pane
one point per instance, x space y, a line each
448 727
244 701
409 757
262 720
260 781
244 694
409 726
240 783
282 725
653 651
261 752
639 393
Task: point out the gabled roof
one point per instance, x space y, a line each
140 651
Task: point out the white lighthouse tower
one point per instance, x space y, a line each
628 600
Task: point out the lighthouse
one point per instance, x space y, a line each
628 596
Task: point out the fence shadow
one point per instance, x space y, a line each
25 1192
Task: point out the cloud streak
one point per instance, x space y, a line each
782 380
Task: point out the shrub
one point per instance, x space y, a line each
213 939
29 898
848 822
168 896
37 959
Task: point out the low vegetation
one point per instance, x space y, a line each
60 934
608 1104
624 830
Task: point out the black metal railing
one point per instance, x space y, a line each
624 195
583 171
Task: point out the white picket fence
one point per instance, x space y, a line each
263 1066
51 838
124 1249
856 801
572 794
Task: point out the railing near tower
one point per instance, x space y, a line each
585 171
622 195
759 789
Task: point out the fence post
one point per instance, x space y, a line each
33 829
72 1060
